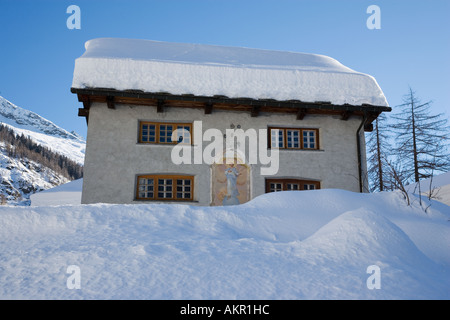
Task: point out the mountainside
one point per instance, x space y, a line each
35 154
42 131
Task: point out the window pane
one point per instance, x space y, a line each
309 137
274 187
145 188
292 186
277 138
183 134
165 133
292 139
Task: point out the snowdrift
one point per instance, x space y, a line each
439 186
67 193
289 245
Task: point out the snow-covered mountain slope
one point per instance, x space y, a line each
23 175
321 244
42 131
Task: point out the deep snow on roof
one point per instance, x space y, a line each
208 70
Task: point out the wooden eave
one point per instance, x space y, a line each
162 100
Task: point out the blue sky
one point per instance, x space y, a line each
38 51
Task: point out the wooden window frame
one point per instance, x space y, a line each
158 132
285 182
156 186
301 143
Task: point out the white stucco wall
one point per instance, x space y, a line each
114 157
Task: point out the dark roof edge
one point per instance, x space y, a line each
223 99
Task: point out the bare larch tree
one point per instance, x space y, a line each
421 138
379 150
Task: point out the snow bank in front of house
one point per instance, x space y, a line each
207 70
288 245
65 194
438 186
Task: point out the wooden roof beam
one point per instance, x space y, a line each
208 108
368 127
346 114
301 113
85 100
82 112
110 102
160 106
255 111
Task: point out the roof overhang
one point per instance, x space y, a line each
160 100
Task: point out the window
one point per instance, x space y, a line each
292 186
309 139
275 185
277 138
307 186
161 133
165 187
294 138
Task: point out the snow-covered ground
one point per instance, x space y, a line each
64 194
439 186
320 244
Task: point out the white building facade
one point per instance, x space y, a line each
131 157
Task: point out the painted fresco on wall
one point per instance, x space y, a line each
230 183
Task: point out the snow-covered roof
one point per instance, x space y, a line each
209 70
